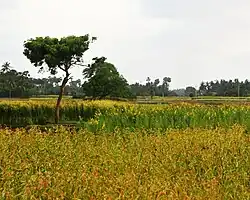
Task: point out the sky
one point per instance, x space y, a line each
189 41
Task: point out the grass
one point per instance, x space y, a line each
144 164
175 115
164 117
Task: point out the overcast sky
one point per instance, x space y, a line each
187 40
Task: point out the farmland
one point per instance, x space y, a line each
134 117
124 150
111 114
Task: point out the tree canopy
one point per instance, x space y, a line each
57 54
12 82
104 80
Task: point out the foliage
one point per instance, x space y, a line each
58 54
190 91
225 88
104 80
188 164
21 84
152 88
13 83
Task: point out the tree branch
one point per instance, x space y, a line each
62 68
79 64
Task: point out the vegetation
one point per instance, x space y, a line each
176 148
12 82
58 54
225 88
104 80
152 88
99 82
109 115
188 164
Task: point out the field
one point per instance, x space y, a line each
124 150
211 100
108 115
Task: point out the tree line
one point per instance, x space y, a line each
100 82
225 88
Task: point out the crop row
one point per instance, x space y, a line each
109 115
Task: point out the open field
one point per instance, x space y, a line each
188 164
210 100
108 115
125 150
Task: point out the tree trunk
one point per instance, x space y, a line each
163 92
57 114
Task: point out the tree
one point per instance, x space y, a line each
23 82
165 85
179 92
139 89
12 82
156 83
6 67
9 80
57 54
75 87
150 86
104 80
148 79
190 91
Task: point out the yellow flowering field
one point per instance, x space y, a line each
109 115
125 151
143 164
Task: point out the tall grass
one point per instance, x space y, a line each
29 112
188 164
164 117
109 115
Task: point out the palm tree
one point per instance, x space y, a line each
6 67
165 84
148 79
156 83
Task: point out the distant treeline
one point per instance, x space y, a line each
20 84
